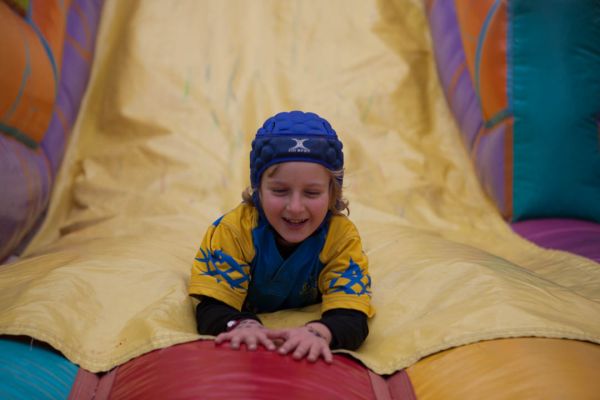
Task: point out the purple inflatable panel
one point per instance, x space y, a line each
492 166
82 24
453 71
488 142
24 190
26 175
576 236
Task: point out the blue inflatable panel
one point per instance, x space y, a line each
33 371
556 106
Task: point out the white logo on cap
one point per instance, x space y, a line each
299 147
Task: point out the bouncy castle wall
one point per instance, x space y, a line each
523 81
51 39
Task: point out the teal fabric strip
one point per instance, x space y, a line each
48 53
497 118
556 96
31 371
20 136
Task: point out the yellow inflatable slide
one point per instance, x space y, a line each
160 150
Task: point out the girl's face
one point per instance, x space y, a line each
295 198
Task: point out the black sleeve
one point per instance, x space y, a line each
212 316
348 328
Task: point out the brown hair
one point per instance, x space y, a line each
337 203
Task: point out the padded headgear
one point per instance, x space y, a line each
295 136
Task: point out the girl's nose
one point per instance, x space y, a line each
295 203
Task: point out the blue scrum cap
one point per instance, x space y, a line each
294 136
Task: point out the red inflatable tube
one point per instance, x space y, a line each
202 370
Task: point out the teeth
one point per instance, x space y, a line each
296 221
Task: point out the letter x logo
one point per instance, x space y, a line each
299 147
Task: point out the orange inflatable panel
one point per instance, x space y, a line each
523 368
30 50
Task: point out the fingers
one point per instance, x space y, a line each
288 345
302 349
251 337
300 342
268 343
234 343
327 355
312 352
222 337
278 334
303 343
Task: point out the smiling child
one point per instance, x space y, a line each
287 245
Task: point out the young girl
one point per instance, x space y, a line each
287 245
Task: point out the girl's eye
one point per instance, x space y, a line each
313 194
279 191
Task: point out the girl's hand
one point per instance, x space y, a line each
249 332
310 341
